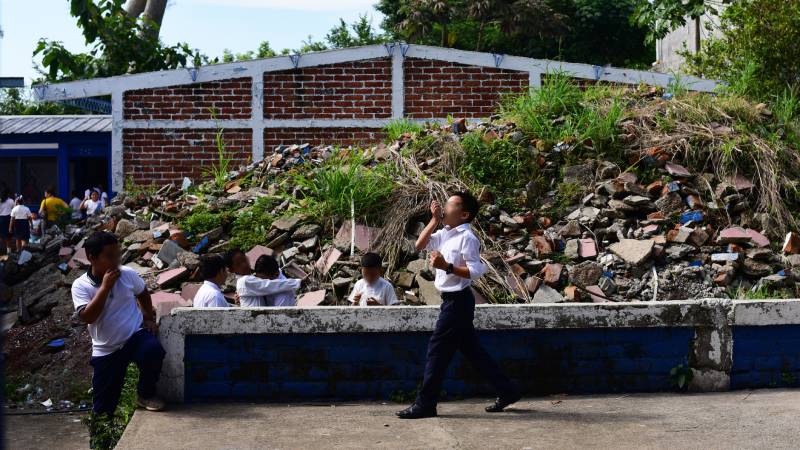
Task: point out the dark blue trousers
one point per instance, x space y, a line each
109 371
455 331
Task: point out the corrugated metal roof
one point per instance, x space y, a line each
54 124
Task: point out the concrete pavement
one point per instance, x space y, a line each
738 419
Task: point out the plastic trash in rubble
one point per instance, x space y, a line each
201 245
47 403
24 257
187 183
55 345
560 147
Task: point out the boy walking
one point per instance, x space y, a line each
113 300
455 254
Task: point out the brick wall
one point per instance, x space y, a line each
375 365
317 136
352 90
358 90
163 155
231 99
435 89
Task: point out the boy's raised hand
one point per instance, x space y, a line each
436 210
110 277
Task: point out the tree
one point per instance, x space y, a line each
663 16
120 44
340 36
755 49
592 31
17 102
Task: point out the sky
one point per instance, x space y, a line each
208 25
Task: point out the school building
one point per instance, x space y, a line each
164 123
68 152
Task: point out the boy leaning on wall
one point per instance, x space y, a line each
115 303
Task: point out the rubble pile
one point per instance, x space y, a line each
587 227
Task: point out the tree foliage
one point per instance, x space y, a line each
662 16
592 31
755 49
119 44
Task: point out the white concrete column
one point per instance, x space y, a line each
257 116
398 83
117 169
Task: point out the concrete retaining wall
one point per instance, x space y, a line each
345 353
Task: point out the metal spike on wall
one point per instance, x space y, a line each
89 104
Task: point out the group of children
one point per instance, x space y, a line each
19 225
114 301
266 285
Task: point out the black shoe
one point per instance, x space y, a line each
416 412
501 403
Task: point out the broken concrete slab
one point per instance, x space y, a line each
311 299
733 235
189 290
632 251
365 237
546 294
428 293
287 223
165 302
172 277
327 259
254 253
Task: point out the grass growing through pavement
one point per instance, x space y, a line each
105 431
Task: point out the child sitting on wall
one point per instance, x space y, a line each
372 289
253 290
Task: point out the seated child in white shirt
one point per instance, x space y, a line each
372 289
254 289
214 273
269 266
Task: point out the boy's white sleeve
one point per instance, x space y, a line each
471 252
356 290
80 296
137 281
391 297
435 241
250 285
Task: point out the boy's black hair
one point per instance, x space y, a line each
96 241
469 204
371 260
266 264
211 265
50 190
229 256
76 193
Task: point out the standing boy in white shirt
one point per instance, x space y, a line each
113 300
214 273
254 289
455 254
372 289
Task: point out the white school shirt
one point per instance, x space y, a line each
93 206
21 212
460 247
209 296
381 290
6 207
252 289
75 205
282 299
121 316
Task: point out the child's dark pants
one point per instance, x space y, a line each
455 331
109 371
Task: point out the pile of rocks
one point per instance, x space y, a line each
680 235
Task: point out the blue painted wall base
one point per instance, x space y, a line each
275 367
